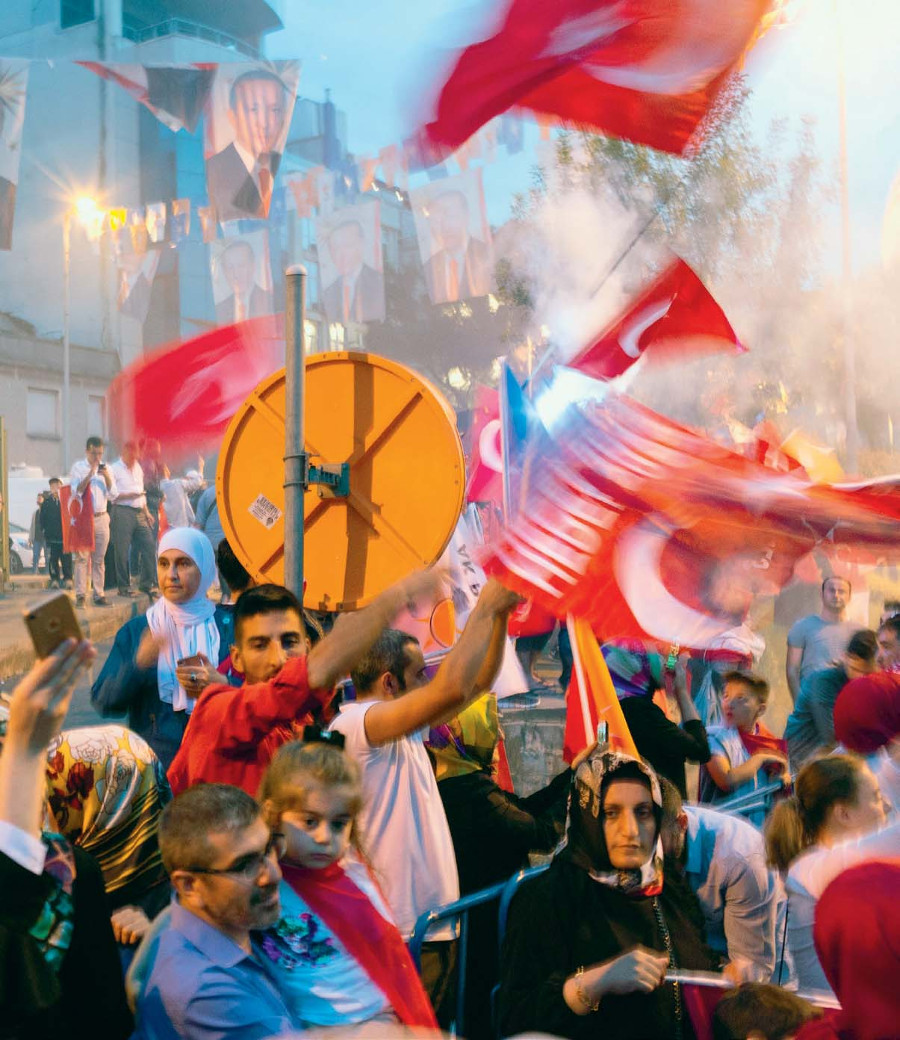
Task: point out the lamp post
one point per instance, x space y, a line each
87 212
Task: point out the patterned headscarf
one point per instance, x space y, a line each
635 671
467 743
585 841
107 790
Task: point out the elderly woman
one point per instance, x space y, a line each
160 663
589 942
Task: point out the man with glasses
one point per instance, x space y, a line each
206 979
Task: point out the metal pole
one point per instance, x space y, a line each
847 264
4 515
296 461
67 270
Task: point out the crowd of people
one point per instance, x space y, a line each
256 848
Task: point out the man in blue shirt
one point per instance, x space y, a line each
724 861
206 979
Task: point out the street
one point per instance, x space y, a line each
80 712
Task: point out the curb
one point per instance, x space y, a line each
97 625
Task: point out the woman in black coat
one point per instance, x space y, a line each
589 942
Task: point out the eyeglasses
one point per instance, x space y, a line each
248 868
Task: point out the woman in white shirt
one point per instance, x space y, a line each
835 820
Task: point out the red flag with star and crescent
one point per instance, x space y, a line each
647 71
77 521
185 394
648 529
674 317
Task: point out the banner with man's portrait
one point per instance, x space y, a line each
454 237
241 277
248 115
351 275
13 84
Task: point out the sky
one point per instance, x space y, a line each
382 60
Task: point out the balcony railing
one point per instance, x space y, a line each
191 30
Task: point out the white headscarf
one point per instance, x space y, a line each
187 628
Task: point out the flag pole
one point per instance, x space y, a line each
296 459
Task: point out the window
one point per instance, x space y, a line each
96 417
42 413
75 12
336 335
312 336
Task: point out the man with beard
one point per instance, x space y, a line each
207 979
819 640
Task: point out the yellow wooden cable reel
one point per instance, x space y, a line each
406 478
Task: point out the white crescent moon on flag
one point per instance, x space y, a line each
636 563
629 337
489 446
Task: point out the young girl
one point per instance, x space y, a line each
338 954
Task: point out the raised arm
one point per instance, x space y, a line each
470 661
353 634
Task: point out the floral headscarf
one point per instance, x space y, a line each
585 843
635 671
467 743
107 790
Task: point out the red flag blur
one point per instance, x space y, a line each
591 698
485 482
675 317
185 394
77 522
644 70
648 529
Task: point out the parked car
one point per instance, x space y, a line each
20 553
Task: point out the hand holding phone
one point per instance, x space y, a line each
51 623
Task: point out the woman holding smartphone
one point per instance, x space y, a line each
161 662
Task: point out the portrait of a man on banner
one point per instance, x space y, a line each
349 242
454 238
247 119
241 276
13 83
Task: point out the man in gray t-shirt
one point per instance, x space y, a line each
819 641
810 726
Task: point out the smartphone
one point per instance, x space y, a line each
186 662
101 465
51 623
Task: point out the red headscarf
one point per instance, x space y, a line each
857 935
867 712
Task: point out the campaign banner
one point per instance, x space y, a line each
349 242
13 85
248 114
241 277
454 237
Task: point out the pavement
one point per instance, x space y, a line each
99 624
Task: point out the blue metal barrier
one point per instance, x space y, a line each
509 890
452 911
761 798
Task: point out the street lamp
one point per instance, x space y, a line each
88 214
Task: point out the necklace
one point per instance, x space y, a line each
673 964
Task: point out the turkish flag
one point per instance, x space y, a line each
649 530
185 394
591 698
647 71
77 521
175 94
485 453
674 317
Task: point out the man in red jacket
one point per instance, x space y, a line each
234 731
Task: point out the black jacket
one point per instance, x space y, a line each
665 745
562 920
87 997
51 519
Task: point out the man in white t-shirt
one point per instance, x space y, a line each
404 827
